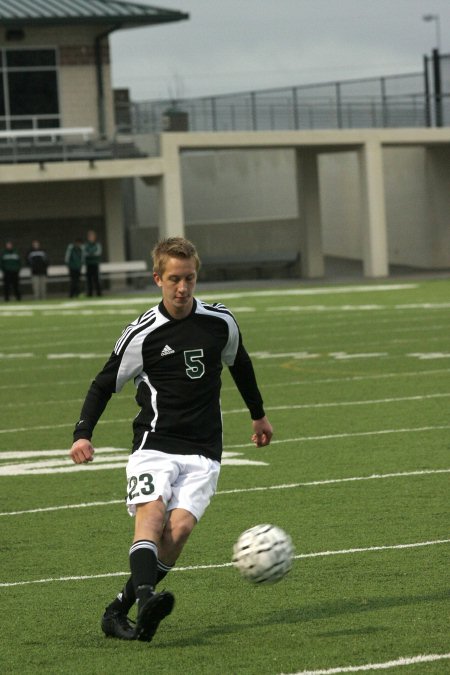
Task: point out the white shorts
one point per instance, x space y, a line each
183 481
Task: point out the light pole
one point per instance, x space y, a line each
436 19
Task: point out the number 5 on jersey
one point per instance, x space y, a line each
195 368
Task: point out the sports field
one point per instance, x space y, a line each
356 381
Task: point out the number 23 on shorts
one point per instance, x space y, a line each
140 485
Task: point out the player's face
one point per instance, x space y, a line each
177 284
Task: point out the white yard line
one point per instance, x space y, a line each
331 404
293 383
194 568
334 481
149 300
338 404
352 378
328 437
370 549
403 661
299 439
265 488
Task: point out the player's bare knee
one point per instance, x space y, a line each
178 529
150 520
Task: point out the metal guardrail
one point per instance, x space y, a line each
393 101
21 150
53 133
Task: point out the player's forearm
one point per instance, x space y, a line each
244 376
94 404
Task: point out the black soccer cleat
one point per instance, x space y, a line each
153 608
117 624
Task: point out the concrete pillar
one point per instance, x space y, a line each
374 231
171 217
312 261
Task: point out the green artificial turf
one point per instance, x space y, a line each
356 382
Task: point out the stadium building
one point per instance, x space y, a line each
257 203
61 162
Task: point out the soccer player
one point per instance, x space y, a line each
174 353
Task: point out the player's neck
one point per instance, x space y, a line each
178 312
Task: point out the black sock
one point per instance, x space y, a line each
125 600
127 596
143 563
163 570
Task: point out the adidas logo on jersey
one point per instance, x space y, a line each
167 351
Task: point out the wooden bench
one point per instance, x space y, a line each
127 270
259 263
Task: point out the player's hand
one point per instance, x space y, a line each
82 451
263 432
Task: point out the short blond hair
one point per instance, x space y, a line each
173 247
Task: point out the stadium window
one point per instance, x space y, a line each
29 88
30 58
32 93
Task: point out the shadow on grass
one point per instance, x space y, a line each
302 614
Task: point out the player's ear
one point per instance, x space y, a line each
157 279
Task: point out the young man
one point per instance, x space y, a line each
92 257
74 260
37 261
174 352
10 264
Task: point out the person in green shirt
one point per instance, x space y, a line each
74 260
10 264
92 256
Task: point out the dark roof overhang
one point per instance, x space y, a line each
118 15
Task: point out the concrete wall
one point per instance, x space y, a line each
437 173
340 205
235 199
409 208
232 201
53 213
233 185
418 213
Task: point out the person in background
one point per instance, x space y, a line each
74 260
37 261
92 256
10 264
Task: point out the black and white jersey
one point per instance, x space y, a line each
176 366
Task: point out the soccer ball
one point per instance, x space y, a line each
263 554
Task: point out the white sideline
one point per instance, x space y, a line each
294 406
194 568
300 439
286 486
403 661
293 383
145 300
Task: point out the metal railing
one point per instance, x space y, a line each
394 101
21 150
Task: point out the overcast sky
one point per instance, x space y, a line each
238 45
